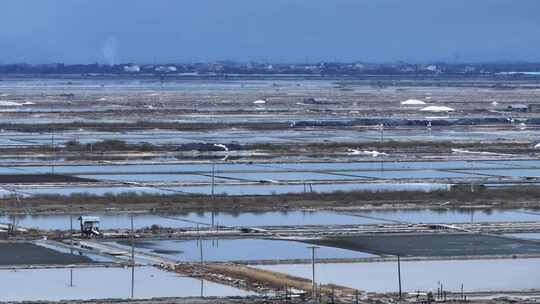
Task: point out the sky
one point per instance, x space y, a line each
178 31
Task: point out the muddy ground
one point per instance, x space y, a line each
427 245
21 253
41 178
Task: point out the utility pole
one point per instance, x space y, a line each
213 178
132 258
71 246
201 250
442 290
53 151
213 187
202 288
472 171
13 229
200 245
399 275
314 284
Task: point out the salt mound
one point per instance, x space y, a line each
132 68
5 103
437 109
366 152
413 102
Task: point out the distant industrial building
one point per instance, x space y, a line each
534 107
515 108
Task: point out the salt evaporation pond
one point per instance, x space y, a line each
274 218
246 249
102 283
256 189
475 275
525 236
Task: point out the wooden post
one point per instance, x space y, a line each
399 275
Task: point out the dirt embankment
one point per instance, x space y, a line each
387 146
140 125
396 147
460 197
258 279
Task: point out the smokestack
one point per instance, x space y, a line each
110 51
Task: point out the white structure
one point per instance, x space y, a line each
166 69
132 68
437 109
5 103
366 152
222 146
412 102
260 101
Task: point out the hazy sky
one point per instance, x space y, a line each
85 31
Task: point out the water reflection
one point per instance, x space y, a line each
100 283
280 218
475 275
237 250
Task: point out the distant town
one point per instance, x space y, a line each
316 69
